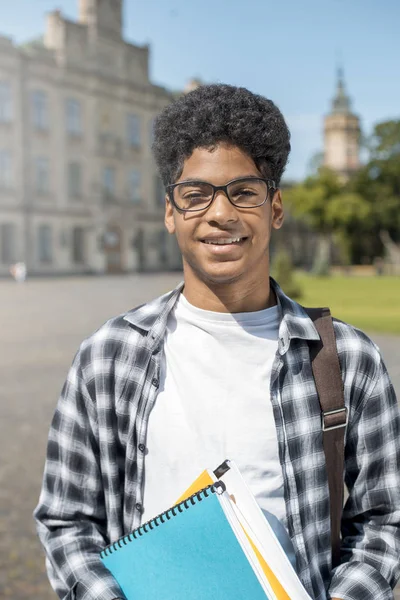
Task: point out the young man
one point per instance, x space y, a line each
220 368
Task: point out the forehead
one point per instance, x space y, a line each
218 164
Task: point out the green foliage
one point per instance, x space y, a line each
378 183
384 142
309 200
324 202
282 270
346 210
356 211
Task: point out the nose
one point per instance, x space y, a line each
221 210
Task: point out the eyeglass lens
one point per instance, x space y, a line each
244 193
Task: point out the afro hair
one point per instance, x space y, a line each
217 113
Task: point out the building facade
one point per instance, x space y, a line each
342 134
79 189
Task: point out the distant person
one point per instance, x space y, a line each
19 272
220 368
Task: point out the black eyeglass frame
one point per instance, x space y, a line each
224 188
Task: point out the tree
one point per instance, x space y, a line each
384 143
378 182
315 163
360 213
325 204
283 271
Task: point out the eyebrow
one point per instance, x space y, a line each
197 180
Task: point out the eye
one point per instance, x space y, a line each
248 191
244 192
193 195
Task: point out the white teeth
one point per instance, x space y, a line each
222 242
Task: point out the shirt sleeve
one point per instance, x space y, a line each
71 514
370 549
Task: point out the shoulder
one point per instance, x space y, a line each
122 336
355 345
115 339
360 362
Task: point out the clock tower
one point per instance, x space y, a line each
102 15
342 134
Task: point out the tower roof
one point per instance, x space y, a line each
341 101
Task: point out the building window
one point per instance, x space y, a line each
159 191
5 169
162 245
78 245
5 102
134 186
42 175
74 180
45 253
7 243
134 131
73 117
151 131
40 110
109 183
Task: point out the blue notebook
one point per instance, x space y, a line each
191 550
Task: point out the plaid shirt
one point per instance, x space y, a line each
94 474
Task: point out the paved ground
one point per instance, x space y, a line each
42 324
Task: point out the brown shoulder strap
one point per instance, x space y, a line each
329 384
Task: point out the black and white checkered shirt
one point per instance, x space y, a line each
94 474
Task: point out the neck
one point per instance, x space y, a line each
232 297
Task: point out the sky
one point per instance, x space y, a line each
287 50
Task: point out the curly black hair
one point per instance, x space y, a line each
221 113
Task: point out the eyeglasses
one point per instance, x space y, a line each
247 192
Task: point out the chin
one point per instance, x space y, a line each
221 274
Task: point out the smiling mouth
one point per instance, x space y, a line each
224 241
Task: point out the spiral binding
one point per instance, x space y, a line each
214 488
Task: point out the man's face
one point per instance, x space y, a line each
198 232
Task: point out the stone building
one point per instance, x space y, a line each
342 134
79 190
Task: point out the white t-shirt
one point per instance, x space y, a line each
213 404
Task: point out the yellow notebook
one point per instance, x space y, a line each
202 481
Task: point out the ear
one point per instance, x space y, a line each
277 213
169 219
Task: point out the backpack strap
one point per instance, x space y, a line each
328 381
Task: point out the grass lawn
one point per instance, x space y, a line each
370 303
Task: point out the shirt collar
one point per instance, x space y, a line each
152 317
295 321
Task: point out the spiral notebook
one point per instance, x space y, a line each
196 548
273 560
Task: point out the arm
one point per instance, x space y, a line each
71 514
370 551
